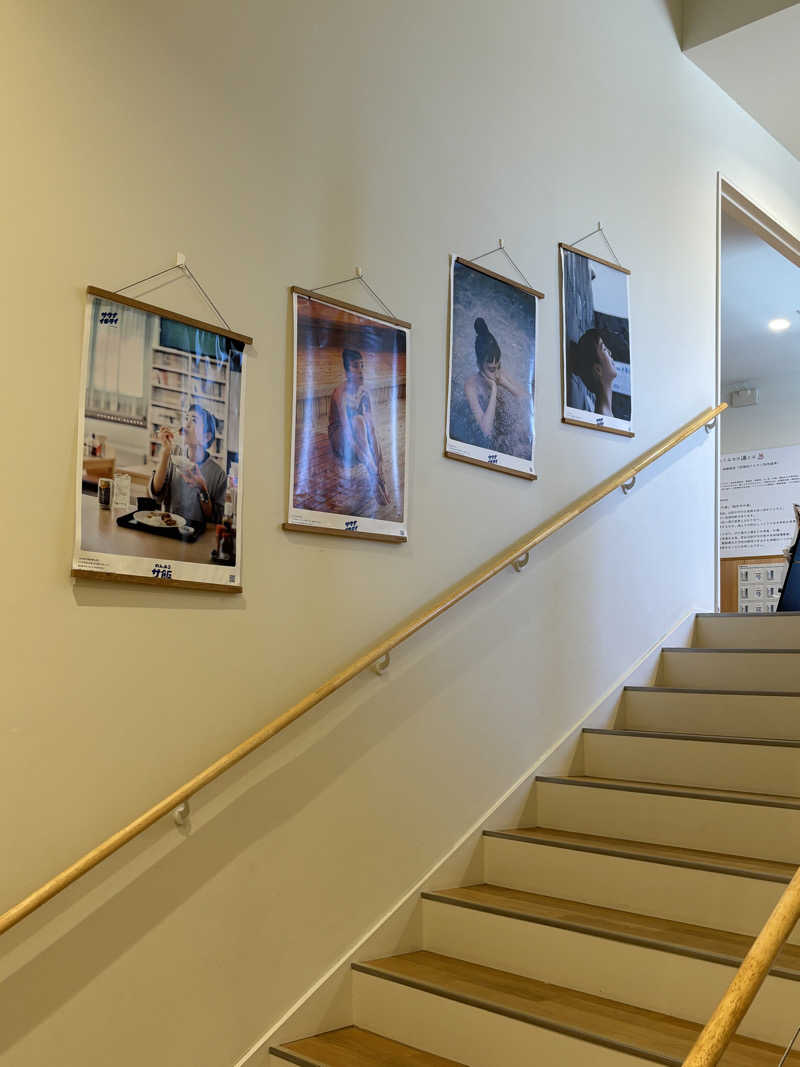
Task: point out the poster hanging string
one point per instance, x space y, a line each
602 233
149 277
357 277
502 248
186 271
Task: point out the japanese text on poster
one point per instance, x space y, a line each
758 490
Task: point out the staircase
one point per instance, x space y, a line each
606 934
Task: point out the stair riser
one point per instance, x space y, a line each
714 826
467 1034
735 715
725 902
747 631
768 671
649 978
711 764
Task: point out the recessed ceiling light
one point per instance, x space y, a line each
779 325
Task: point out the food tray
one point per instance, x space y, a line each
188 534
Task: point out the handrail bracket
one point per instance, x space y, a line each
627 486
381 665
182 814
521 561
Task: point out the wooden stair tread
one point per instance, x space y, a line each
769 800
738 615
716 739
681 690
750 867
353 1047
695 650
665 934
651 1035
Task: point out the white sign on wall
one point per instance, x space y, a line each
758 491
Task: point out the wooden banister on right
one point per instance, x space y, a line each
447 600
721 1027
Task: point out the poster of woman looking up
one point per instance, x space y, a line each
492 365
595 342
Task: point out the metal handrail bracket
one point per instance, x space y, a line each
381 665
522 562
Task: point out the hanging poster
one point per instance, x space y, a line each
492 364
595 342
349 444
758 491
160 432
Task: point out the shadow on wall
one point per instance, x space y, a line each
674 9
39 988
336 737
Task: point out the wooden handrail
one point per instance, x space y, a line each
720 1028
433 611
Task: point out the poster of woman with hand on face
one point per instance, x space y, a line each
492 362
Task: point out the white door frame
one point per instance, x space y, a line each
733 202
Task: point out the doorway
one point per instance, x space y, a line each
758 369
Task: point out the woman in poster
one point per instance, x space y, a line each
195 490
351 430
591 374
496 399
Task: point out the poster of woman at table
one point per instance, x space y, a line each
160 434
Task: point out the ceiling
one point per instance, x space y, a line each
758 284
756 64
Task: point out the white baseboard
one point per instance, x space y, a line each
327 1005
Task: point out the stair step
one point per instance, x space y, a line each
748 631
684 885
696 792
354 1047
717 739
712 820
441 981
711 711
770 767
701 942
740 669
652 852
606 952
605 935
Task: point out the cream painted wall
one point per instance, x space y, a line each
278 143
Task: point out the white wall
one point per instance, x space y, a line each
771 423
278 143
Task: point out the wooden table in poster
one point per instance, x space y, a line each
100 533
